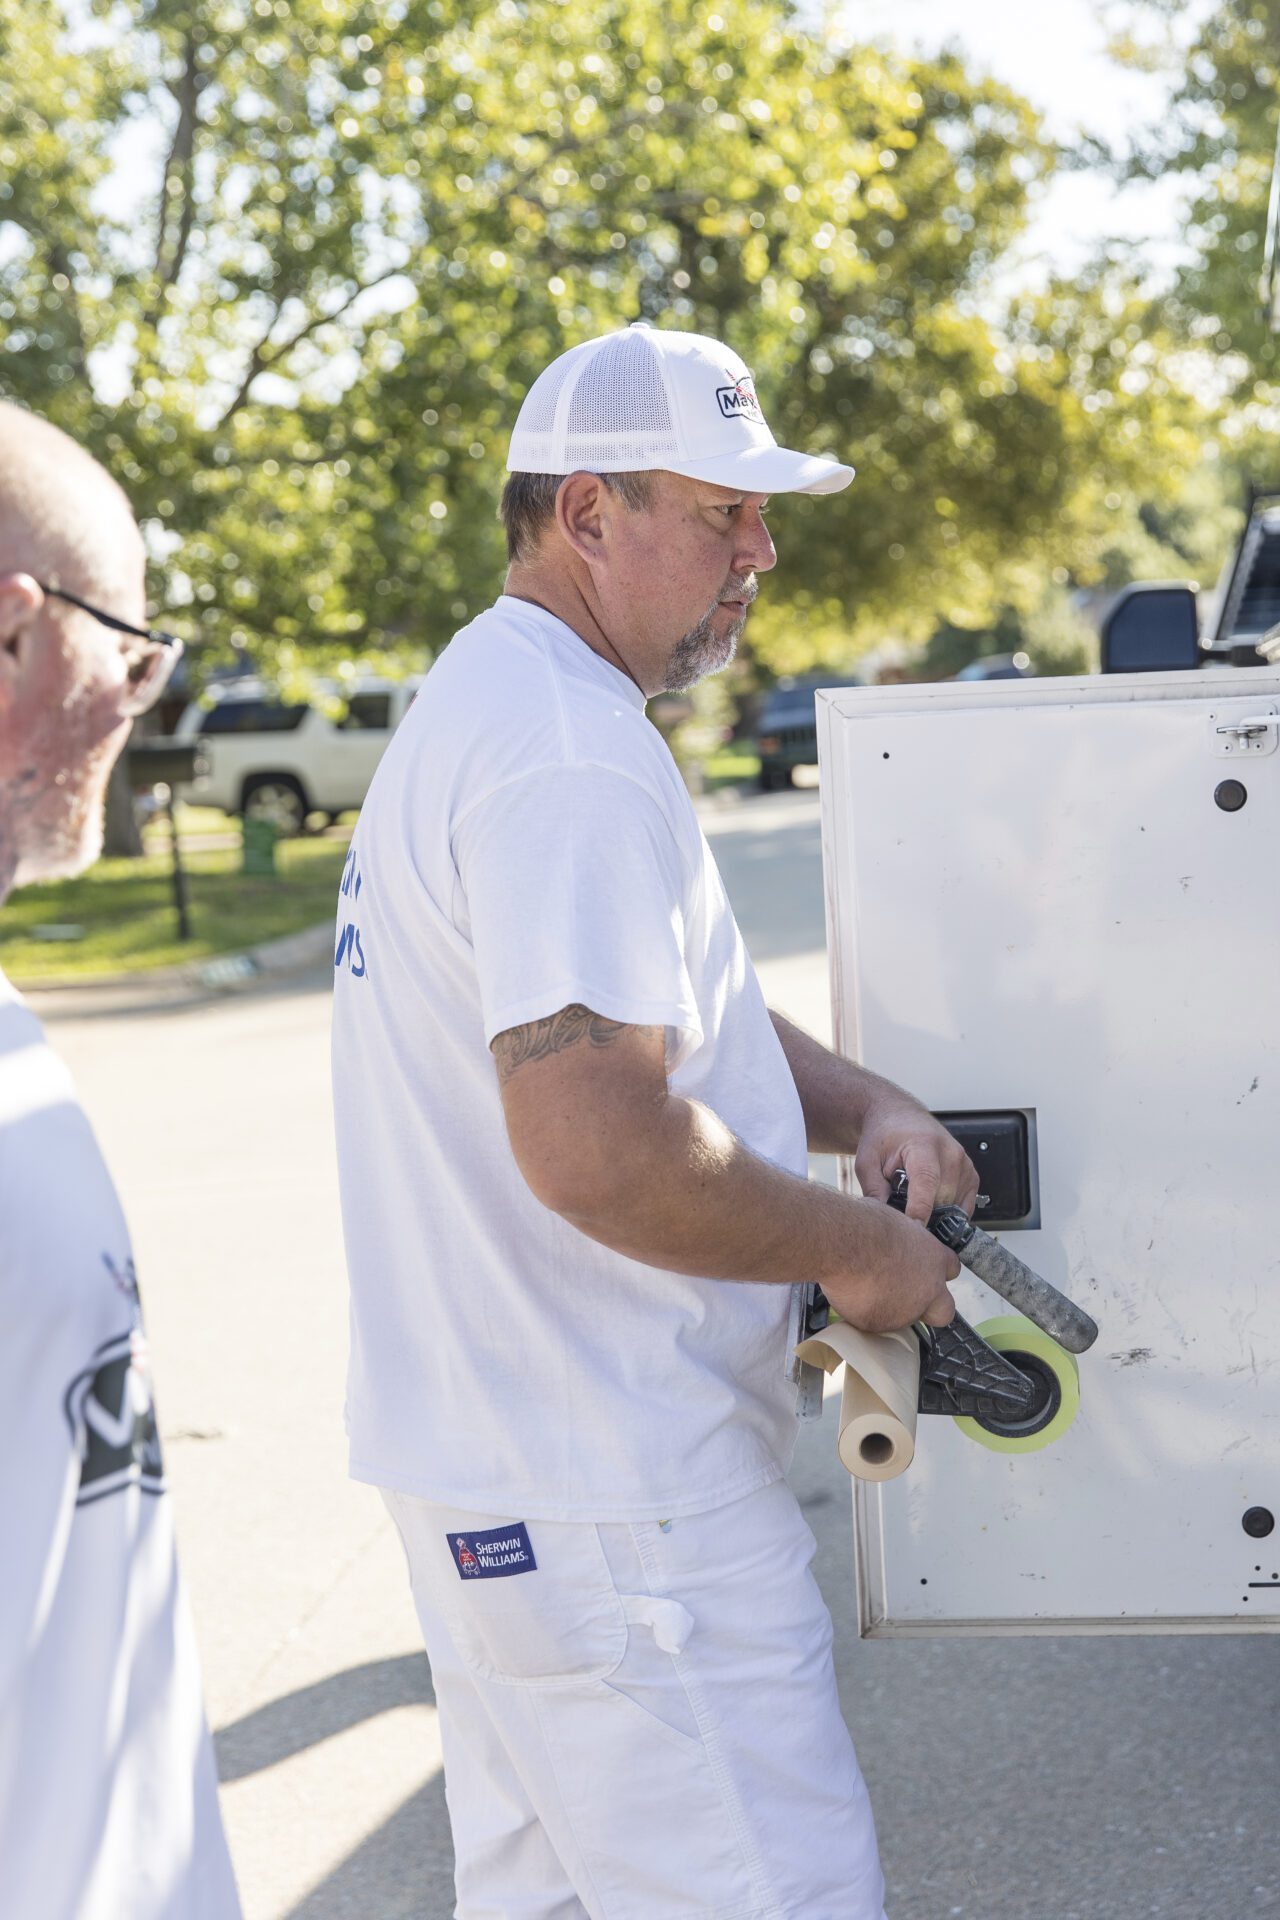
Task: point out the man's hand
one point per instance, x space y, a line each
898 1132
896 1273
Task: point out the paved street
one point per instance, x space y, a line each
1037 1779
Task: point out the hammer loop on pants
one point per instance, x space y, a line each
643 1725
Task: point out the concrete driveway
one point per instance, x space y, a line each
1056 1779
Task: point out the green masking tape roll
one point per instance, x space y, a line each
1014 1335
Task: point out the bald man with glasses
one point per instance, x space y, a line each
108 1791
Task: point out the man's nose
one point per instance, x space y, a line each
757 554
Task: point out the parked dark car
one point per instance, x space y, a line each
787 730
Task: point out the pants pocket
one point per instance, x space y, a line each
559 1624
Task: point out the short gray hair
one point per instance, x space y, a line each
529 504
62 516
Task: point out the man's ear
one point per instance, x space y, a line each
20 602
582 511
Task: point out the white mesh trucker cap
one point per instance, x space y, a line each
647 398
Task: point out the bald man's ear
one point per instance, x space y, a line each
20 602
583 503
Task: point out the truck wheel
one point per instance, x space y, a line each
276 797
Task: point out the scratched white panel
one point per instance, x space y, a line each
1033 901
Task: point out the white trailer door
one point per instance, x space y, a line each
1041 900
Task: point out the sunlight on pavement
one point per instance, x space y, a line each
292 1826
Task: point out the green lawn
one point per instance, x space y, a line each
194 823
730 767
125 908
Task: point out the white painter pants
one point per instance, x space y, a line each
645 1726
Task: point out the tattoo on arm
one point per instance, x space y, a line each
542 1037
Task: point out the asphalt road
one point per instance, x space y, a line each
1041 1779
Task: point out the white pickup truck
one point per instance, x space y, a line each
269 759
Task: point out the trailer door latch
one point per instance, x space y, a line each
1253 733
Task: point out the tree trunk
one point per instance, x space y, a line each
121 838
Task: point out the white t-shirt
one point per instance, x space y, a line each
528 844
108 1793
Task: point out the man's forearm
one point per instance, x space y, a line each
693 1199
835 1094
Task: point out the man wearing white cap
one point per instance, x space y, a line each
571 1137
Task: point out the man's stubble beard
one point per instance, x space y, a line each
55 820
62 834
702 650
63 853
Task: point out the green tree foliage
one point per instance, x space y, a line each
1221 134
1054 634
288 267
1146 498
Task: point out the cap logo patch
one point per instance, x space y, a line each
739 402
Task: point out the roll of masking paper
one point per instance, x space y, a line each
878 1401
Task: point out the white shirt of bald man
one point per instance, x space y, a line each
108 1790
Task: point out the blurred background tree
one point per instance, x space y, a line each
289 266
1220 133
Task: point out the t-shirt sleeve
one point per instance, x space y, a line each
574 892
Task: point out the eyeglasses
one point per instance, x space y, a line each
151 667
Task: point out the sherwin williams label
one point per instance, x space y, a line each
493 1555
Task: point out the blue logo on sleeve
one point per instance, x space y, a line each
350 947
493 1555
351 951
